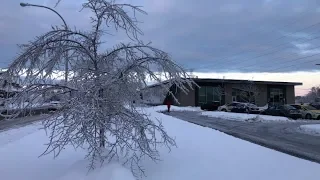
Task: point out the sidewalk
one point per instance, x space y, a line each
18 122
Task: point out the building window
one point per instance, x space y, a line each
276 96
208 94
234 98
202 95
243 96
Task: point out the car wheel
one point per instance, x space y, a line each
308 116
318 118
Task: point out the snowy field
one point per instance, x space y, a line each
312 129
201 153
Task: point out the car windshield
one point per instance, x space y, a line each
310 108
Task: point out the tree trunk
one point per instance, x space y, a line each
101 136
102 126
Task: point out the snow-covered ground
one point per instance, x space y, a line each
15 134
163 108
243 116
228 115
313 129
201 153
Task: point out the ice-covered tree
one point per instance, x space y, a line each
249 92
97 111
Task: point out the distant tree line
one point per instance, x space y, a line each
312 96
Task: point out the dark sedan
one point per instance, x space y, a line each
246 108
283 110
213 106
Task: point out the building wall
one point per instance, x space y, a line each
187 99
290 95
191 99
228 93
262 98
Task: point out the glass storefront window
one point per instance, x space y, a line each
276 96
208 94
242 96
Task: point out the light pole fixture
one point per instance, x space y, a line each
65 26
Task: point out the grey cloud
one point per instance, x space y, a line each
207 37
220 35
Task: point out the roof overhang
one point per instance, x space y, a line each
234 81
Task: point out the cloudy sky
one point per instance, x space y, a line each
260 39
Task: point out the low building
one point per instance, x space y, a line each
228 90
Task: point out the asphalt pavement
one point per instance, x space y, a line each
19 122
281 136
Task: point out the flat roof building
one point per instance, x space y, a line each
227 91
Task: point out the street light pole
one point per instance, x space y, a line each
65 26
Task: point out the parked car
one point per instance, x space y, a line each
246 108
252 108
228 107
283 110
213 106
240 108
308 112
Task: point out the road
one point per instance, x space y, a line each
280 136
18 122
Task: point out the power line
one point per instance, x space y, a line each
267 44
275 29
246 67
296 64
269 53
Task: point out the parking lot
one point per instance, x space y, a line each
277 135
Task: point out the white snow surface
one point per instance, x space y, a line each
243 116
313 129
175 108
14 134
201 153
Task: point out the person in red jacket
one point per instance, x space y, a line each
168 105
168 101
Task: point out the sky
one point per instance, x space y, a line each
261 39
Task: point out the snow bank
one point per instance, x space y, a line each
174 108
243 116
264 107
201 153
313 129
15 134
204 153
112 171
20 158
